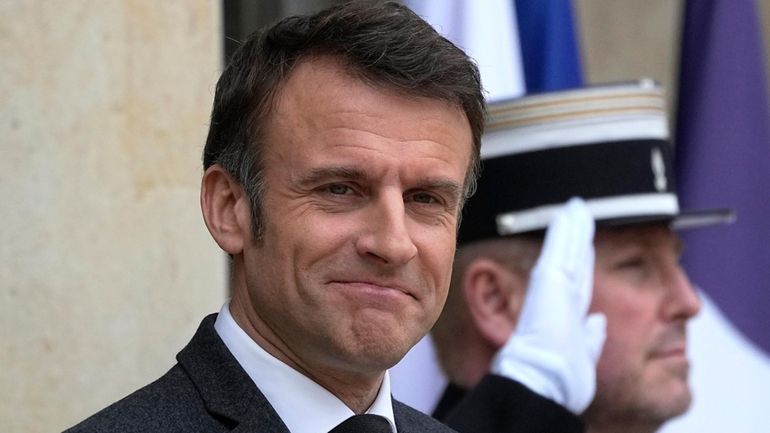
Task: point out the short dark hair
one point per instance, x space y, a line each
384 44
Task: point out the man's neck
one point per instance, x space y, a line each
357 390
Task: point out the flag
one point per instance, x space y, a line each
549 49
723 160
489 31
723 154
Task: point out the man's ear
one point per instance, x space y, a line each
494 296
226 209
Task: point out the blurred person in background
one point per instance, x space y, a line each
608 145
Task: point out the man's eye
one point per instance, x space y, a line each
424 198
636 264
338 189
630 263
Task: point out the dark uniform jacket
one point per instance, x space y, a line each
501 405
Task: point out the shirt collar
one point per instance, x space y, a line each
287 389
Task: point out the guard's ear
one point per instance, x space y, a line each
226 210
494 296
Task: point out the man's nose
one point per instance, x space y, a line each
385 236
682 300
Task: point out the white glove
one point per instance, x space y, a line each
556 345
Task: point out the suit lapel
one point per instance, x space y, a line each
227 391
231 397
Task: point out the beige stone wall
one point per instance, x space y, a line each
628 39
764 8
105 265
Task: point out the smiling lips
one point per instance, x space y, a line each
375 288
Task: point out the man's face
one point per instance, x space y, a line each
647 298
363 189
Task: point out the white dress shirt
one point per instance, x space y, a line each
303 405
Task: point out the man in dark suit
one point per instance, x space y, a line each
341 149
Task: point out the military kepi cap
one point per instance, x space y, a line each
607 144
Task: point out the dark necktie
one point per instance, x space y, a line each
363 424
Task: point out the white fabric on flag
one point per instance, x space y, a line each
488 32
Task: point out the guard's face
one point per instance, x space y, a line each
648 299
361 202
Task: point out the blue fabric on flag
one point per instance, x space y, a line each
723 158
549 50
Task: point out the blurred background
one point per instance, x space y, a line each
106 268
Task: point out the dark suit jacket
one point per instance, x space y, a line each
208 391
501 405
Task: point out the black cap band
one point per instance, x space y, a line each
608 145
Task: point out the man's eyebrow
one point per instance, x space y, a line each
321 174
450 187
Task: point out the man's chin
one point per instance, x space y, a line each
673 400
384 351
652 412
683 404
373 360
